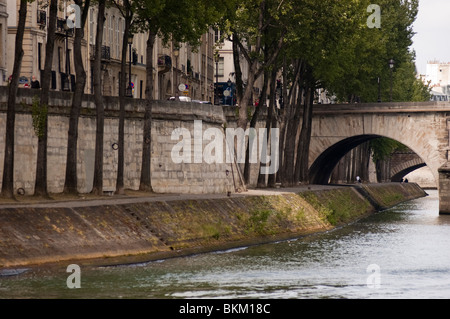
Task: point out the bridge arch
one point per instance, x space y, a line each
423 127
322 168
405 168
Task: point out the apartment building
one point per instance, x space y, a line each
3 41
438 74
172 66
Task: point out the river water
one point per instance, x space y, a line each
403 252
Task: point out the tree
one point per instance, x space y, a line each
358 61
177 21
249 22
312 37
407 87
100 109
126 10
71 182
344 56
8 166
41 164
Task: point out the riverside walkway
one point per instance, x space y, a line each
87 200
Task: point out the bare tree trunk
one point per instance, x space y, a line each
273 87
71 180
237 66
8 165
305 138
146 180
365 161
282 117
41 165
291 139
120 187
253 121
98 97
287 125
246 100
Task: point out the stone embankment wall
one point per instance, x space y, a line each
117 233
168 176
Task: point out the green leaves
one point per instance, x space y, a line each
178 20
39 116
383 148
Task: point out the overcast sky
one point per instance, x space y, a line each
432 27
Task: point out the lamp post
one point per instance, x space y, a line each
176 54
129 88
66 86
229 98
216 93
391 66
379 90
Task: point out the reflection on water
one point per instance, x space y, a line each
408 243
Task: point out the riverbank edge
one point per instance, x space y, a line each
111 234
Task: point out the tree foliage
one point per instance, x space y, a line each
382 148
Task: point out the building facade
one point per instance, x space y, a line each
193 67
438 75
3 42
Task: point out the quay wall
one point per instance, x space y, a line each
112 233
168 176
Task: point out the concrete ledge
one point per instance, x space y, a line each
115 232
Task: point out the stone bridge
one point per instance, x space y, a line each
423 127
402 163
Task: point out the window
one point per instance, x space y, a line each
221 66
105 30
69 54
111 33
39 56
217 36
92 27
117 38
60 60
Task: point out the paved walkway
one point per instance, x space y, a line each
127 199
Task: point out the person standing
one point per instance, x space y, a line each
35 83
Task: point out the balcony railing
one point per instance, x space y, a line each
105 53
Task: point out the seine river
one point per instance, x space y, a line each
403 252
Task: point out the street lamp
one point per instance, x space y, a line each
216 91
129 88
176 54
229 96
391 66
66 80
379 90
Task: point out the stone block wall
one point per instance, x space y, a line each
167 176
